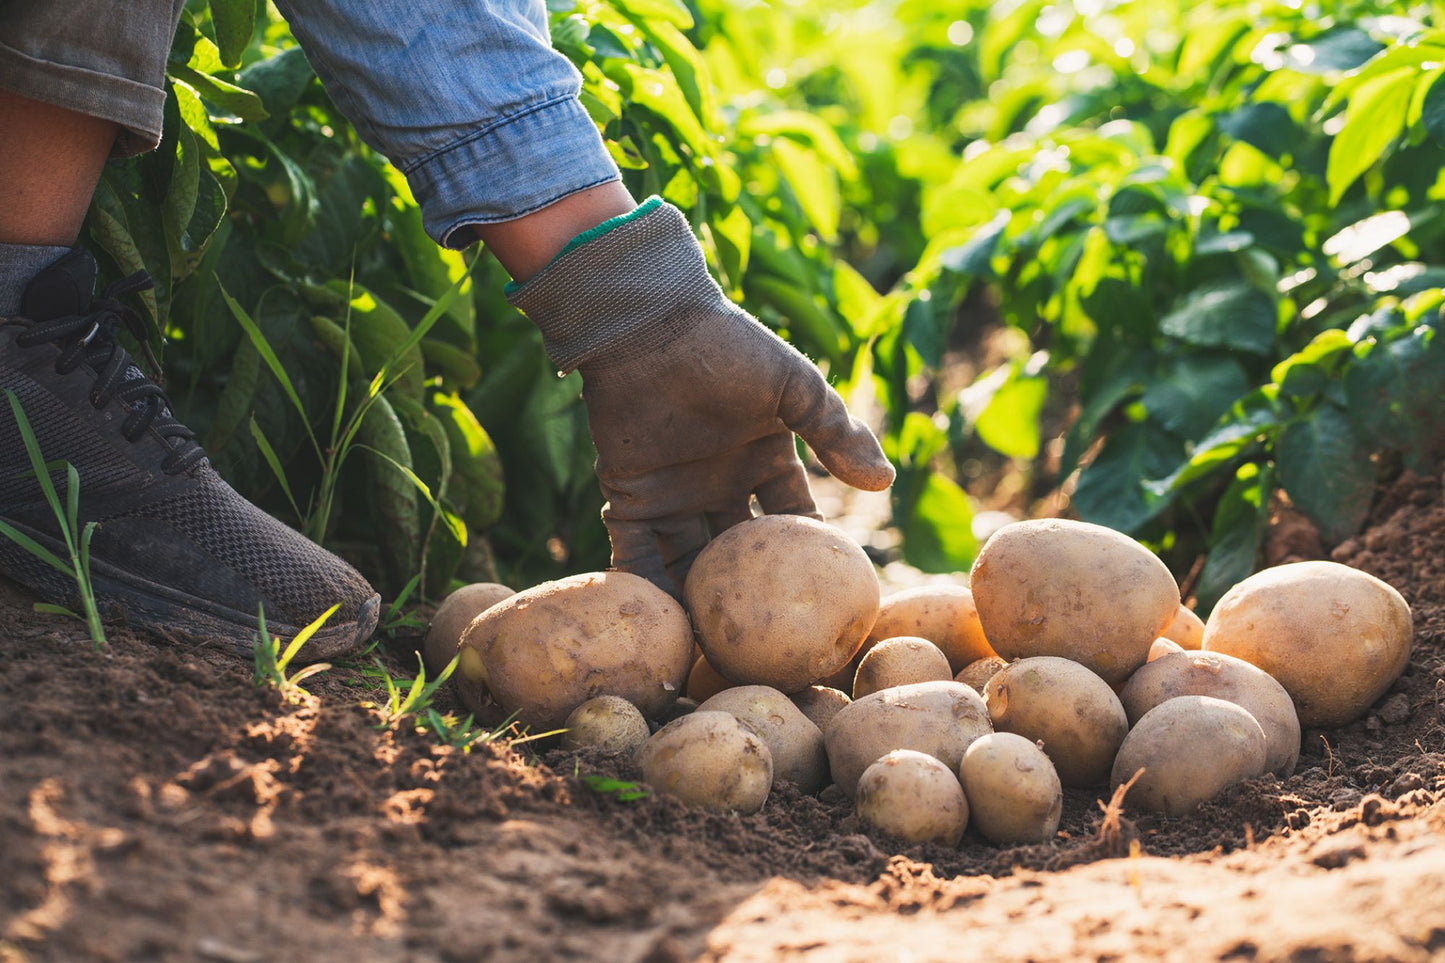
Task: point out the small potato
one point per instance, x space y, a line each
1222 677
709 760
1063 705
1334 637
900 661
452 617
1161 648
976 674
913 796
1191 748
704 682
1185 630
606 722
943 614
781 600
820 704
549 649
937 718
795 744
1056 587
1013 791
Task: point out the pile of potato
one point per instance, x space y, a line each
1068 661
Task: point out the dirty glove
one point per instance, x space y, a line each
692 403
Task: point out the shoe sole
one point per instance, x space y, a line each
170 613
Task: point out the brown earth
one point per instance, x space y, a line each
156 805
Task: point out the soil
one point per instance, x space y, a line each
155 804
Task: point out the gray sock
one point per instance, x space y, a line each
19 263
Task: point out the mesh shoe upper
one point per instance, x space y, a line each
175 542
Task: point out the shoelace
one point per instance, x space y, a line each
90 338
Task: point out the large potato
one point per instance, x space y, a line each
444 635
781 600
794 742
1071 589
900 661
938 718
1222 677
943 614
709 760
1334 637
1191 748
913 796
1013 790
551 648
1066 707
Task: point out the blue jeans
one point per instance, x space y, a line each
466 97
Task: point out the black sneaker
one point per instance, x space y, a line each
177 550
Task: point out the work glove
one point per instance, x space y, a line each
692 403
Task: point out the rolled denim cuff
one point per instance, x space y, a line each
508 169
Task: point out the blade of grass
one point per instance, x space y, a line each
253 331
269 454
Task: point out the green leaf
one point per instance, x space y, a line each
474 456
279 80
1432 110
1267 126
1393 393
234 20
397 523
974 257
1344 48
1240 521
269 453
381 337
269 356
1326 469
663 11
1190 395
1224 314
1111 488
237 100
813 183
1005 406
1375 117
938 531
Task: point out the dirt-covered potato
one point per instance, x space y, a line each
704 682
900 661
976 674
943 614
1334 637
1072 589
781 600
606 722
914 797
1161 648
1063 705
1191 748
444 635
709 760
1013 791
820 704
1185 630
1222 677
937 718
551 648
794 742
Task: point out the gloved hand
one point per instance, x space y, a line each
692 403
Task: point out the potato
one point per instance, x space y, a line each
943 614
913 796
1185 630
1014 794
781 600
1064 588
1069 709
938 718
1191 748
549 649
900 661
976 674
1334 637
820 704
444 635
606 722
1161 648
704 682
794 742
1222 677
709 760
